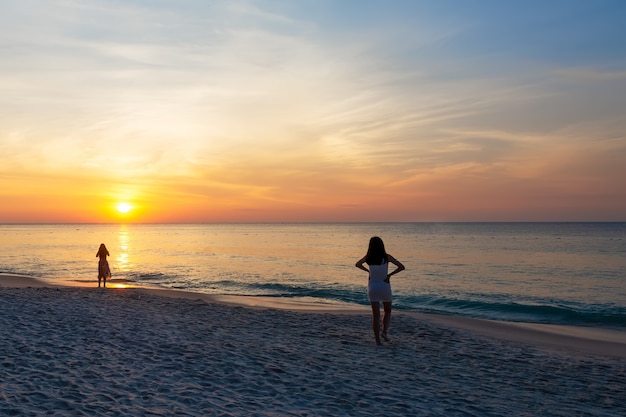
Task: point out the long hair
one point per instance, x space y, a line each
376 254
102 251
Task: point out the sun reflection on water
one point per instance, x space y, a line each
122 262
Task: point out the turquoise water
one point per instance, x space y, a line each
565 273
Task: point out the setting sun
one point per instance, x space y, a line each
141 126
124 207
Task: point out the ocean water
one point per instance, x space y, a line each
561 273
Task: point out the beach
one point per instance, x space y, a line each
138 352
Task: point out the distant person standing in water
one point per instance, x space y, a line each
378 286
104 271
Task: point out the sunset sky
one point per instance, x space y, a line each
312 110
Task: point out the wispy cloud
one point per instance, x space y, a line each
275 101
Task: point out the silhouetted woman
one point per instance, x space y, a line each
378 285
104 271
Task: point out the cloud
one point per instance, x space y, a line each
276 101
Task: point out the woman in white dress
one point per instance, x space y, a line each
378 285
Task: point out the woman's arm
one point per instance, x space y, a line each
397 263
361 264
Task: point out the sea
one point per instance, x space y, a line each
556 273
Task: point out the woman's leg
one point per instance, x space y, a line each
386 318
106 272
376 320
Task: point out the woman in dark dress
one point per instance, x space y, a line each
104 271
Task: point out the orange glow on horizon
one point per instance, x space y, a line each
462 194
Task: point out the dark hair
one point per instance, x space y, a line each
376 254
102 250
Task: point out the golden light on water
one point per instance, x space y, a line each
119 286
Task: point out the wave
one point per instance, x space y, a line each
485 306
148 276
538 311
602 315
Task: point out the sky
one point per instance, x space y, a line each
312 110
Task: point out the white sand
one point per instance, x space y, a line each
119 352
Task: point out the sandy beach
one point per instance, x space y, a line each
137 352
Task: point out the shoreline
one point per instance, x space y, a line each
574 339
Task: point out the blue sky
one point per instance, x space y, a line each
412 110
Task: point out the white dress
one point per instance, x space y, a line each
377 288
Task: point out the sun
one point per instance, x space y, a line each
124 207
